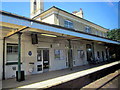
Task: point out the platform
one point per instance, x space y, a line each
49 79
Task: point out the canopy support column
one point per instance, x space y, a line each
19 56
93 52
3 74
70 59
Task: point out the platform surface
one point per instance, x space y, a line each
48 79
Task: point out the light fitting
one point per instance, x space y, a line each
48 35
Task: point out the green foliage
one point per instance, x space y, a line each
114 34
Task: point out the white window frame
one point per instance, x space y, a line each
97 32
105 34
68 24
12 52
88 29
101 33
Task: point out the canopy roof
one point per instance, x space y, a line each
16 21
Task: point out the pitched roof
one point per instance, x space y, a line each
69 14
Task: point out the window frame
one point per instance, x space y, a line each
101 34
97 32
67 24
13 51
88 29
105 34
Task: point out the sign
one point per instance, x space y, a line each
30 53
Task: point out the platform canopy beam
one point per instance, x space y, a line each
15 31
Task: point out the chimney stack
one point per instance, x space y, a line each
79 13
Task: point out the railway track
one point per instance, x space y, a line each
108 81
94 80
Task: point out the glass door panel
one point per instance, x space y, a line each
45 59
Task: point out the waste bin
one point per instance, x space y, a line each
22 76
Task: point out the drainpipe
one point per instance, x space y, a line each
19 56
3 73
70 55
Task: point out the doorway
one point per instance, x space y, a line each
103 56
89 52
42 59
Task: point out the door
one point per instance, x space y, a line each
89 53
45 60
102 55
42 60
39 61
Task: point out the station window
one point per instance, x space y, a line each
68 24
87 29
12 48
105 34
97 32
101 34
12 52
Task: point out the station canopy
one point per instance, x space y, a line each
17 23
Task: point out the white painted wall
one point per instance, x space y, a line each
50 19
58 64
79 46
46 43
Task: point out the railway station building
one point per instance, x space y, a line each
50 40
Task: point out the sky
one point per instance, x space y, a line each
104 14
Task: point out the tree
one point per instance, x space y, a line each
114 49
114 34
